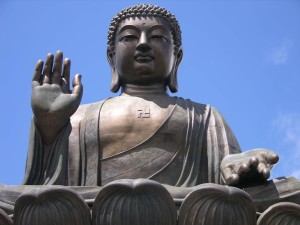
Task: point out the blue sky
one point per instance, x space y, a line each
242 57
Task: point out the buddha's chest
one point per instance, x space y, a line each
127 121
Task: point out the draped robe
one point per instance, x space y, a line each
186 150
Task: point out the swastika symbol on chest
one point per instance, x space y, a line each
143 113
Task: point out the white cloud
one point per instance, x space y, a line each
288 125
280 54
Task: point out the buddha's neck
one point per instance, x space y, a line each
144 91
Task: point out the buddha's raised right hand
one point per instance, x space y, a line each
52 101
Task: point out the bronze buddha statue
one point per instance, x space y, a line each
142 133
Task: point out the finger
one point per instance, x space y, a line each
254 161
77 85
233 179
226 172
57 67
272 158
37 73
48 69
66 73
229 177
245 167
263 170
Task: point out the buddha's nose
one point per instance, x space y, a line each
143 44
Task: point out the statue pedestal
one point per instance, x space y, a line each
142 201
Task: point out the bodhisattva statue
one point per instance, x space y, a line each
144 132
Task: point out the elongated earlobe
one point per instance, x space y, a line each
115 81
173 83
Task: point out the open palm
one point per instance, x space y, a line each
52 101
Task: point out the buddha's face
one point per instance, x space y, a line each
144 51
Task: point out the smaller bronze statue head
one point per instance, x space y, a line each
144 47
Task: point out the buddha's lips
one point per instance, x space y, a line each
143 58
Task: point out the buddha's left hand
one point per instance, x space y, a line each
248 168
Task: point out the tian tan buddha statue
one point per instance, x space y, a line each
143 132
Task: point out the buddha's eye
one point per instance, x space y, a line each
159 38
128 38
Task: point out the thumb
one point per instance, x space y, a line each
77 86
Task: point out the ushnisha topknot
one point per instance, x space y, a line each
142 10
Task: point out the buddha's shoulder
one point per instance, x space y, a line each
191 103
198 107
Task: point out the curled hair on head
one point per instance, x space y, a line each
143 10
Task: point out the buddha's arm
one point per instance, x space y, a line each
52 101
58 163
220 142
236 167
47 164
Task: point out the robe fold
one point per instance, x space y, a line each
186 150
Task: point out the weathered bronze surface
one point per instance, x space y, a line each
51 206
134 202
283 213
217 204
143 133
5 219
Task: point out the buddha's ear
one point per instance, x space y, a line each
115 81
172 83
